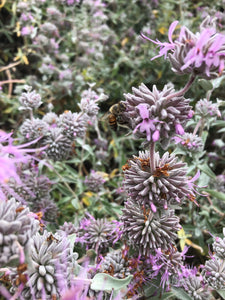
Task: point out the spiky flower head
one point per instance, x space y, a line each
214 273
206 109
33 129
147 231
154 115
195 287
59 145
199 54
51 118
98 234
73 124
67 228
94 181
115 264
190 143
219 246
30 99
48 208
165 186
51 265
17 226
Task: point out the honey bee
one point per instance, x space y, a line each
116 117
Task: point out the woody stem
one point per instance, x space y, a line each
152 157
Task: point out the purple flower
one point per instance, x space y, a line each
11 155
154 115
147 125
165 186
202 53
164 47
27 30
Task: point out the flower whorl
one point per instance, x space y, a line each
165 186
52 262
154 115
16 227
146 230
195 288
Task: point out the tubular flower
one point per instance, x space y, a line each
52 264
16 228
11 155
167 263
147 231
202 53
167 185
155 117
195 287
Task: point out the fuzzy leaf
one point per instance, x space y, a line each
105 282
216 194
180 294
205 84
206 169
221 293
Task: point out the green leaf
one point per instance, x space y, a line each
164 296
105 282
180 294
217 82
216 194
72 238
219 123
206 169
221 293
205 84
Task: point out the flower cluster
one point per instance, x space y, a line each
198 54
147 231
17 226
94 181
57 133
98 234
156 115
52 263
166 185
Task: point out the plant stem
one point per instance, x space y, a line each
152 157
184 90
197 127
66 184
12 81
10 66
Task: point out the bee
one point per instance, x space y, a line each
116 117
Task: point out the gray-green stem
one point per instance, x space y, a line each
152 157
